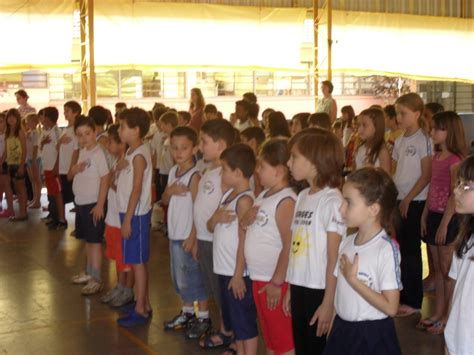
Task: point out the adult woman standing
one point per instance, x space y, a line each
196 109
23 107
327 103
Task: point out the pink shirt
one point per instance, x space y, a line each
440 184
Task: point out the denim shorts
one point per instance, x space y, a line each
186 274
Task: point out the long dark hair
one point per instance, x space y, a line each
278 125
374 145
200 103
14 112
450 122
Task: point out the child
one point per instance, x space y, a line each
299 122
438 223
368 270
5 186
338 129
320 120
253 137
68 149
268 243
348 116
216 136
277 126
241 119
100 116
412 152
49 160
33 161
134 205
210 112
15 156
183 118
352 143
431 108
121 294
459 330
372 150
156 145
317 228
238 308
392 130
179 195
90 184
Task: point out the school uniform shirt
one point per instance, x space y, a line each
156 146
49 153
32 140
226 238
263 243
125 182
241 126
408 153
86 184
207 201
379 269
315 215
66 150
112 218
166 160
180 208
460 327
361 158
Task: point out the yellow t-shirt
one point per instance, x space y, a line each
14 151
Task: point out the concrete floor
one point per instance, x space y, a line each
41 312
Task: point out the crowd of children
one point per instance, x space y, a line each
309 230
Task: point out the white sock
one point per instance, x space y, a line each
188 309
203 315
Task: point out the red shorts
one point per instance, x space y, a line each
53 184
276 327
113 247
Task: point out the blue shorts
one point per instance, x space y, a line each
240 316
186 274
136 249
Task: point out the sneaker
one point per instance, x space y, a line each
92 287
6 214
110 295
125 296
60 226
80 279
50 222
181 321
132 320
200 327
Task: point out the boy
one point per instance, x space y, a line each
68 149
241 119
216 136
238 309
90 184
100 116
49 157
254 138
392 131
321 120
183 118
134 205
180 195
210 112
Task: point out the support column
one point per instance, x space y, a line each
315 54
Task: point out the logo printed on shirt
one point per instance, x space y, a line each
300 243
365 278
262 218
208 187
410 151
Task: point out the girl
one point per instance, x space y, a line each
299 122
372 150
412 152
368 274
352 143
196 109
277 126
317 228
437 222
459 330
267 245
33 161
4 178
15 156
348 116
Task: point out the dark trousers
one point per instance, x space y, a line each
53 208
409 237
304 302
160 182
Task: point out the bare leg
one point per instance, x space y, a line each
60 207
439 295
21 192
446 256
140 274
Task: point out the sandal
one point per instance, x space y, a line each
406 311
437 328
208 343
425 323
229 351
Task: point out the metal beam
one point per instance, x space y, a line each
84 81
90 19
315 57
329 40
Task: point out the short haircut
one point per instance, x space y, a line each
113 133
120 105
219 129
170 117
185 131
32 117
99 114
158 111
302 118
434 107
244 104
51 113
84 121
240 156
185 115
254 133
320 119
250 97
136 117
210 108
254 110
22 93
329 85
390 111
73 106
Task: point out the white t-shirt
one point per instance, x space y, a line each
226 238
86 184
241 126
460 327
112 218
166 160
361 158
125 182
315 215
263 240
180 209
408 153
207 201
66 150
49 153
2 144
156 145
379 269
32 141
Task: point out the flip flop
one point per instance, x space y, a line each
425 323
437 328
226 340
